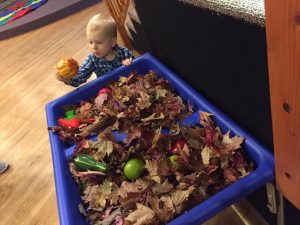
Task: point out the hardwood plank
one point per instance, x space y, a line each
283 36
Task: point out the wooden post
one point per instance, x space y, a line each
283 41
118 10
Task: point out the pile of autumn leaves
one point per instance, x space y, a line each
141 106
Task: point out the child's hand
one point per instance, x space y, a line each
62 79
127 62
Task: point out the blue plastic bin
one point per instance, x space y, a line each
66 189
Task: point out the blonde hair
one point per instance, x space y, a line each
103 22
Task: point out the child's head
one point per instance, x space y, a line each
101 32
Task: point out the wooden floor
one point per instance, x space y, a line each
27 83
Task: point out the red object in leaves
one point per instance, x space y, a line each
105 90
177 146
71 123
209 136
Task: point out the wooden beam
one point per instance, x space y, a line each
283 40
118 10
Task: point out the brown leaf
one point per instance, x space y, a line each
154 116
132 187
134 134
81 209
152 168
205 119
114 196
180 196
156 137
172 108
160 93
231 144
163 208
165 187
88 174
194 136
144 101
206 155
142 215
157 169
96 195
185 154
212 136
99 100
110 219
83 144
231 174
104 147
149 79
189 179
84 111
164 168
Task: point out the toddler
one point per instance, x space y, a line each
106 55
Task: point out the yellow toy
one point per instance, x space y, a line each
67 68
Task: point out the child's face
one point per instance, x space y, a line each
99 43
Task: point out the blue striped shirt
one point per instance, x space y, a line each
99 65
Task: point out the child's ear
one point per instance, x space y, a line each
113 41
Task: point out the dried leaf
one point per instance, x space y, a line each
156 137
83 144
205 119
173 108
154 116
132 187
104 147
206 155
84 111
163 188
231 144
119 220
152 167
87 174
231 174
109 220
106 187
122 80
144 101
81 209
135 134
161 93
96 195
180 196
100 100
142 215
114 196
163 208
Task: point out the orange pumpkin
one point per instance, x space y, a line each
67 67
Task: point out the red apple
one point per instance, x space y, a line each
177 146
105 90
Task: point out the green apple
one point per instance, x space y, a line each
173 161
134 168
